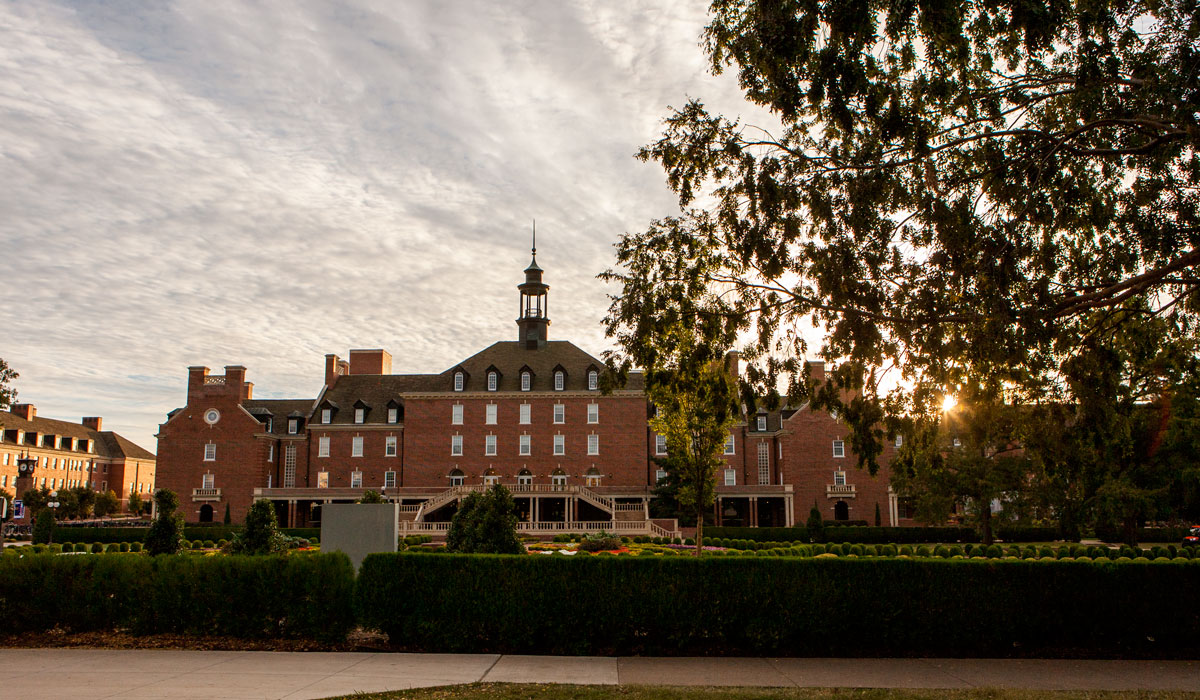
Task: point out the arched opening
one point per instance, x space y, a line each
206 513
841 511
456 477
490 477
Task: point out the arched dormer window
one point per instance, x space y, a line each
560 380
493 380
526 381
593 380
459 380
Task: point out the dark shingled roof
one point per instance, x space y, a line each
374 390
108 443
509 357
279 409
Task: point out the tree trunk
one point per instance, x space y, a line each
985 522
699 526
1130 530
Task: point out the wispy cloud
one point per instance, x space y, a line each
216 183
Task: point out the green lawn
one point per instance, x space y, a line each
530 691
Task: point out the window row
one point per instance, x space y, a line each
524 445
56 483
75 465
47 440
360 415
525 414
560 380
356 446
660 444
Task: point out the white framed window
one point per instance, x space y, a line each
326 415
899 441
957 442
593 413
764 463
458 381
491 479
456 445
389 446
493 380
270 425
356 446
559 481
729 444
592 480
560 413
839 448
490 415
660 444
207 481
560 445
762 424
526 381
593 444
456 479
356 480
525 414
210 452
559 380
593 380
456 414
525 448
323 446
393 415
293 426
389 480
270 453
839 478
489 445
731 477
525 480
660 475
360 414
289 467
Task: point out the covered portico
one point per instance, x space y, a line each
754 506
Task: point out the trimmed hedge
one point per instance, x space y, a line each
250 597
138 534
881 535
755 606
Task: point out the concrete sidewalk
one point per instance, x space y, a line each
83 674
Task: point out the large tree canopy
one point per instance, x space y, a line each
959 193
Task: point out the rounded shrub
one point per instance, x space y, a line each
856 550
994 552
835 549
135 546
97 547
112 548
1045 551
209 544
677 540
67 547
941 551
123 547
690 542
646 553
956 550
1158 552
1166 559
888 550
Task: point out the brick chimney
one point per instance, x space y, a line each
816 369
92 423
332 369
235 376
196 376
25 410
733 363
370 362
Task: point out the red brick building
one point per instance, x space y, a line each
72 454
528 414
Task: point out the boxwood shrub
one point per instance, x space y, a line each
767 606
251 597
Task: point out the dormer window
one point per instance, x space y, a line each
360 414
493 380
762 424
560 379
293 426
593 380
326 415
393 415
458 381
526 381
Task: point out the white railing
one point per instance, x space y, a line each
623 507
632 527
410 509
595 499
839 489
659 531
203 494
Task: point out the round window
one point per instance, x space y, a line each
211 416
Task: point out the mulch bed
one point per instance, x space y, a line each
358 640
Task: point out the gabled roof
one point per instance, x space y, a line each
278 409
108 443
376 391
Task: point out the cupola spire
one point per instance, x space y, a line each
533 320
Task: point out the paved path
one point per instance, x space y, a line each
83 674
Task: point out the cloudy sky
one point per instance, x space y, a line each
213 183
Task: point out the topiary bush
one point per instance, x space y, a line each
97 547
123 547
135 546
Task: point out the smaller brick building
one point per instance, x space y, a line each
72 454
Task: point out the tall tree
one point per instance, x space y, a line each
7 376
951 189
485 524
165 535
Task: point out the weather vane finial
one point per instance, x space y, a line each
535 236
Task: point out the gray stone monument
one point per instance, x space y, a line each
359 529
